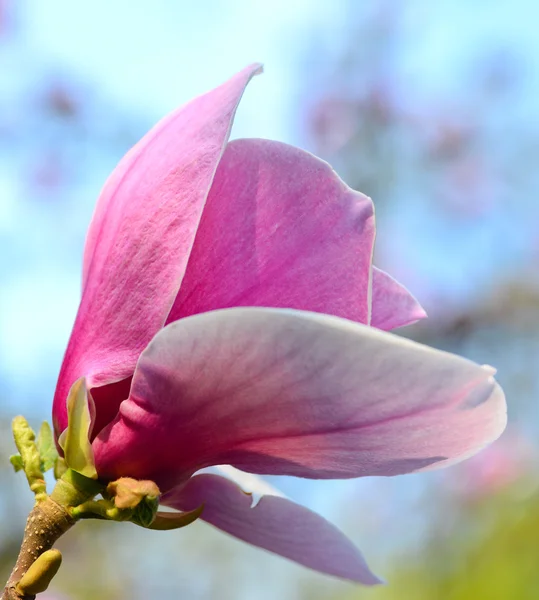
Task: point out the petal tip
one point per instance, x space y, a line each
258 68
489 369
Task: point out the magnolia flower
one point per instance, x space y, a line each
231 315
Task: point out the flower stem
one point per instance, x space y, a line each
46 523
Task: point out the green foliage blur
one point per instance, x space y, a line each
481 548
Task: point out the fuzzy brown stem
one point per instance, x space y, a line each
46 523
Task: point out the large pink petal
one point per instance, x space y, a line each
280 229
295 393
275 524
392 304
140 238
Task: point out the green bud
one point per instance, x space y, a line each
25 441
140 497
129 493
40 573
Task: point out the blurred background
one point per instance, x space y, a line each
429 108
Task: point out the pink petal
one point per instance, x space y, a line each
275 524
249 482
280 229
296 393
140 238
392 304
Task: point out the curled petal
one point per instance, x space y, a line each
275 524
140 238
280 229
296 393
249 482
392 304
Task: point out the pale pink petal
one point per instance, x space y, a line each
140 238
280 229
275 524
392 304
296 393
249 482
